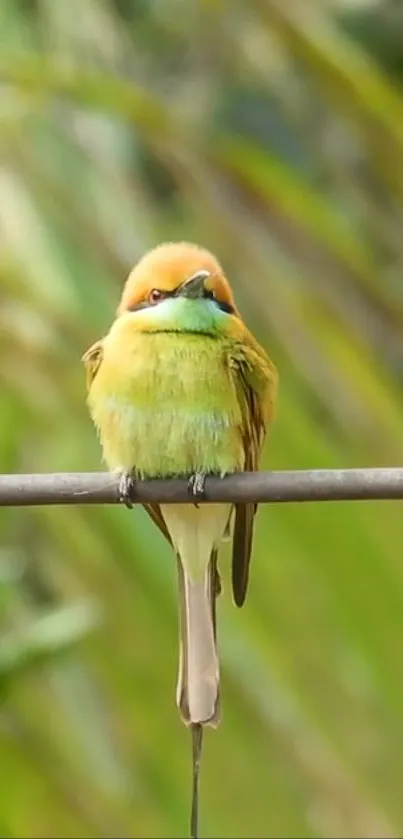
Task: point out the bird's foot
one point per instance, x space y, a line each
126 485
197 485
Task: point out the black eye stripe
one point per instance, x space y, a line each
225 307
209 295
145 304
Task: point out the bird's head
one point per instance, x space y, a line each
178 287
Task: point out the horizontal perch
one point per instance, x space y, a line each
103 488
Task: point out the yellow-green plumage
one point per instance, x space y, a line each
168 405
179 388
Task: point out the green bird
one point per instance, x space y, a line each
179 386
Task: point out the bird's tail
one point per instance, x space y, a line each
197 695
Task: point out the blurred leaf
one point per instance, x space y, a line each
45 638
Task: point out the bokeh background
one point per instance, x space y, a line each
272 133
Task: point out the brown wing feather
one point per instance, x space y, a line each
92 361
256 380
154 511
241 550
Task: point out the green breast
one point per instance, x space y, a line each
172 410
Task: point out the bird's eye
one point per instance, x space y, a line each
155 296
210 294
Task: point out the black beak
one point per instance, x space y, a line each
193 288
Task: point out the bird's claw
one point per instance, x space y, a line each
197 485
126 486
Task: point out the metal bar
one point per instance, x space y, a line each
102 488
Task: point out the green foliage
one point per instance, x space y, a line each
267 133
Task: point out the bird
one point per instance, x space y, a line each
179 386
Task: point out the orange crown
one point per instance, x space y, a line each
168 266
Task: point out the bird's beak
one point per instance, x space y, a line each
193 288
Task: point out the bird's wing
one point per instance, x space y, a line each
255 379
154 511
92 360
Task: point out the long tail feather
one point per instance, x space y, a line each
197 742
198 681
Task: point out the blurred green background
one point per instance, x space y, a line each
272 133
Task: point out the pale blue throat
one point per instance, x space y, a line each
181 314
